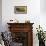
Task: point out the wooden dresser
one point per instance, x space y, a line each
22 33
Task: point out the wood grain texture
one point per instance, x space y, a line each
23 27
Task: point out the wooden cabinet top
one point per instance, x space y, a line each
20 27
20 23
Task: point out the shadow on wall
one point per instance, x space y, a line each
43 6
0 15
0 24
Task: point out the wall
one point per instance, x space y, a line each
43 14
0 15
43 6
34 14
33 11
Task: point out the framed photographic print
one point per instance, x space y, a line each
20 9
